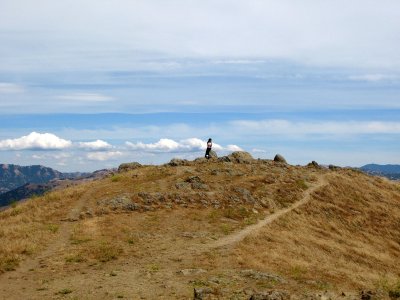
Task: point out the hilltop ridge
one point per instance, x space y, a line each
228 228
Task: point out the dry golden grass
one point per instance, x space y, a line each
27 227
346 237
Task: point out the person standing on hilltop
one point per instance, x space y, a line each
209 146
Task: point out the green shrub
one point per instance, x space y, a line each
116 178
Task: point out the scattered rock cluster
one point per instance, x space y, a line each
129 166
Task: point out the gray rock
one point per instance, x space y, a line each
193 179
280 158
224 159
129 166
241 157
120 202
333 167
366 295
182 185
199 186
188 272
213 154
314 164
200 293
271 295
215 172
178 162
246 194
262 276
196 183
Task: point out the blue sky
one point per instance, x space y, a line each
86 85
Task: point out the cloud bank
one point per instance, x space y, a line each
325 128
104 35
104 156
97 145
36 141
171 146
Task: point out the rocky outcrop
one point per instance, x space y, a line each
279 158
240 157
175 162
314 164
119 202
129 166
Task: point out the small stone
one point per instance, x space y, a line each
188 272
182 185
261 275
200 293
270 295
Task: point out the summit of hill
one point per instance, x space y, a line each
232 227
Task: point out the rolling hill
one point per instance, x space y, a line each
227 228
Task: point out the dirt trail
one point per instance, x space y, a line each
60 242
240 235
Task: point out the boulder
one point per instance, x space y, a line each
178 162
333 167
196 183
314 164
224 159
241 157
213 154
128 166
201 293
280 158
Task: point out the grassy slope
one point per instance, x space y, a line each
346 238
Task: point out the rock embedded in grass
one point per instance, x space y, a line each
280 158
129 166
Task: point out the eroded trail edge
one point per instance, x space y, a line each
252 229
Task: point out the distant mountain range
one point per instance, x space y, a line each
19 182
26 191
389 171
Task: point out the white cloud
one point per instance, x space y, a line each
103 156
233 148
186 145
372 77
35 141
259 151
309 31
289 128
10 88
86 97
97 145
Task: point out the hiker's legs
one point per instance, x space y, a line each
207 153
